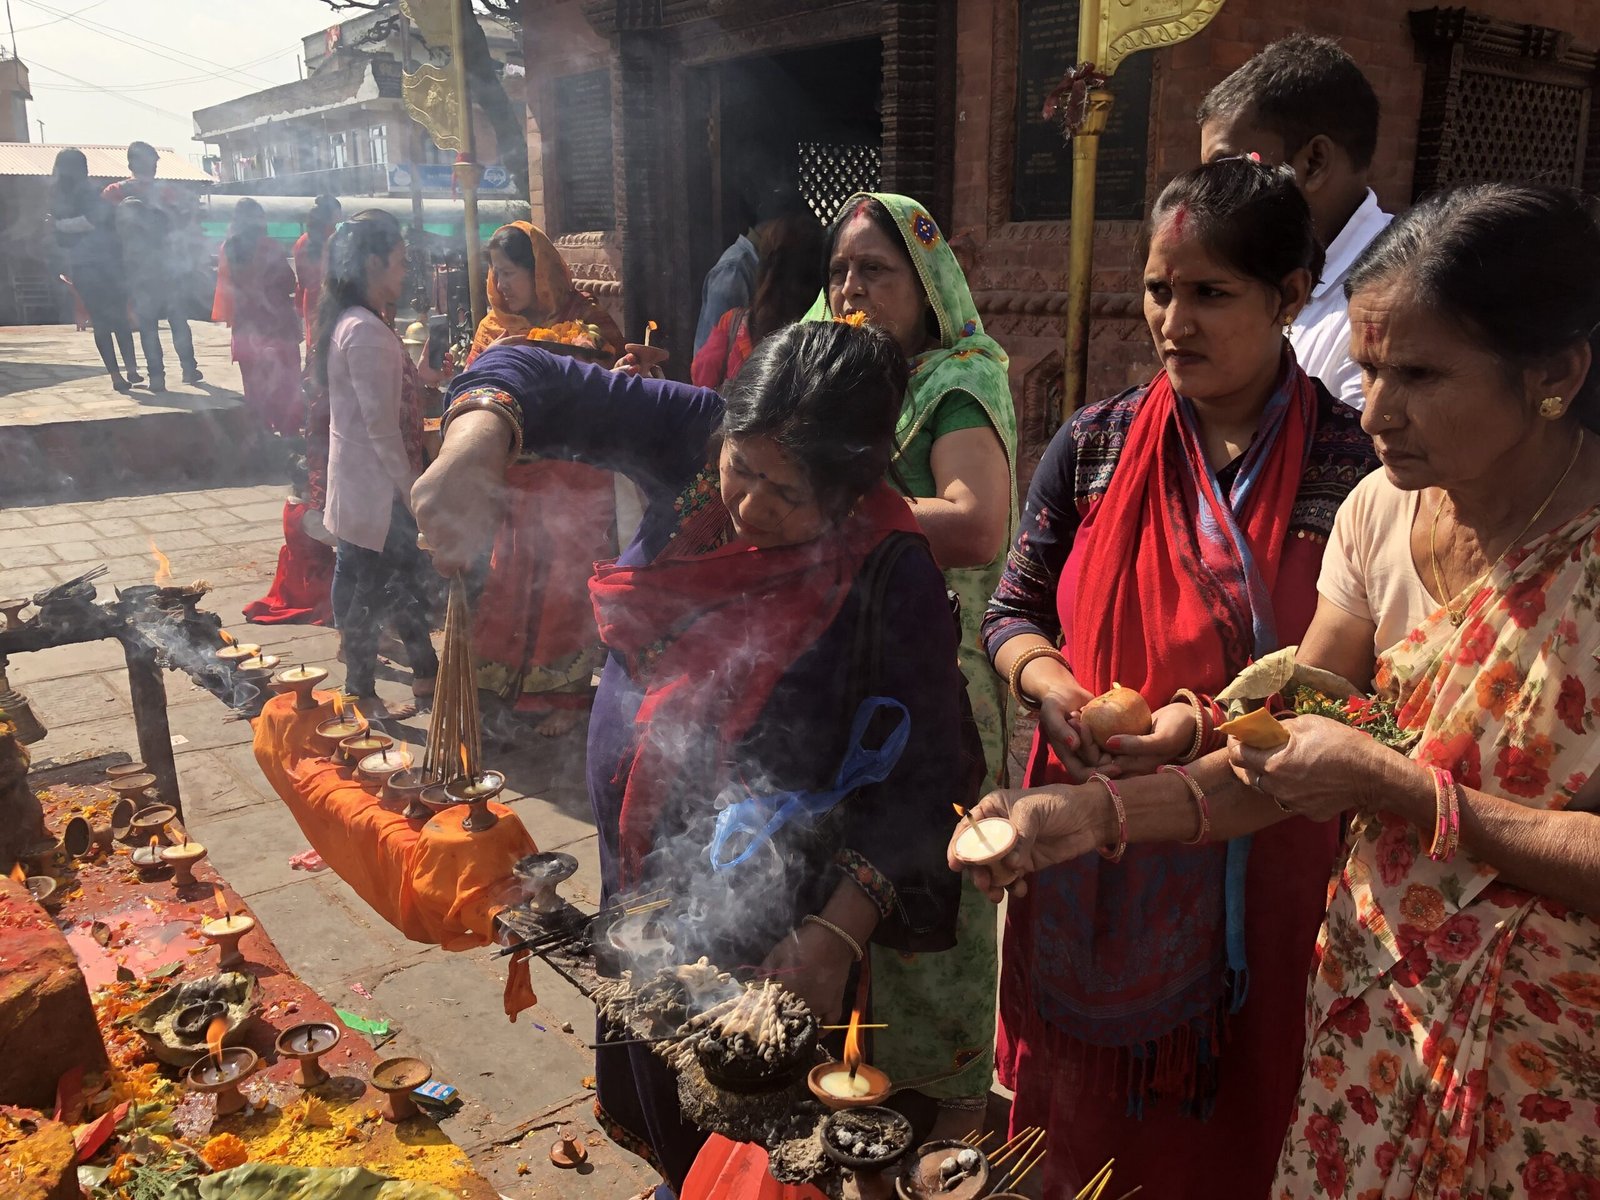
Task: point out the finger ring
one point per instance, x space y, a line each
1255 781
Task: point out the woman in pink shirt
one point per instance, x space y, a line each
374 453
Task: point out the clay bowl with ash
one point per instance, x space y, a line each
761 1040
174 1023
947 1170
866 1139
639 940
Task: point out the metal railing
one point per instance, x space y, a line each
359 179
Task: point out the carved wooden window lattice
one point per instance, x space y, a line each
830 173
1502 102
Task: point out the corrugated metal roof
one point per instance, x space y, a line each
105 162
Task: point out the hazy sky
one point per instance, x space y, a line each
140 68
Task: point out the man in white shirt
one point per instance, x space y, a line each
1304 102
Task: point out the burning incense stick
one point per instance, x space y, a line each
1011 1141
1025 1145
1016 1181
863 1025
455 734
976 1142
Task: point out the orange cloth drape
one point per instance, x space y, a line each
431 880
728 1170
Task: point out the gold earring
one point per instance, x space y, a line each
1552 407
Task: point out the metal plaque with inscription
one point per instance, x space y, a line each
1047 44
583 152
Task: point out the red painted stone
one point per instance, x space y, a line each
47 1024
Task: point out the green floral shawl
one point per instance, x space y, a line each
950 997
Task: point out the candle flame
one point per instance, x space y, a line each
163 566
852 1041
466 771
227 638
338 704
215 1032
222 900
18 874
960 812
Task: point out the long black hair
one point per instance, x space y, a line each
324 214
790 274
344 282
248 224
1515 265
1251 216
829 394
69 180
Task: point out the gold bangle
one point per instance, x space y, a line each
482 402
1023 659
1199 723
855 946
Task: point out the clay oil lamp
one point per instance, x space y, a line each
12 611
648 357
306 1044
78 839
569 1153
476 791
225 931
153 821
43 889
434 799
148 858
234 652
346 722
223 1070
369 741
378 768
542 874
850 1083
397 1078
983 842
134 787
258 669
406 787
123 770
122 820
866 1141
183 859
302 681
949 1170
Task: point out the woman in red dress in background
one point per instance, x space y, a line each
255 296
308 254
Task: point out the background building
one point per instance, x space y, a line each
344 127
14 97
651 123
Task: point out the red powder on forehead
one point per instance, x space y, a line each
1179 221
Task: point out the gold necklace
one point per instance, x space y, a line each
1459 615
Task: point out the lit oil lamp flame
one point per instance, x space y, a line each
222 900
18 874
338 704
649 328
215 1032
155 844
227 638
163 566
466 770
355 715
852 1042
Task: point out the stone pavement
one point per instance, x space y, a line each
65 430
520 1082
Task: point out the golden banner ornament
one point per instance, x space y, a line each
1128 26
432 19
433 103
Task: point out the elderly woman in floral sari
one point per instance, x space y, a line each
1452 1006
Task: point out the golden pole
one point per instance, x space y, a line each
1080 249
467 171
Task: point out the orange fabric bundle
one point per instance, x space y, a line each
434 882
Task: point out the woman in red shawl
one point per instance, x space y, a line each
309 250
535 633
1152 1007
255 296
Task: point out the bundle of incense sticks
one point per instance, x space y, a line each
455 734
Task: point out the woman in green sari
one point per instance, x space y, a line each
956 457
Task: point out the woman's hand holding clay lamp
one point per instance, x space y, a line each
1052 824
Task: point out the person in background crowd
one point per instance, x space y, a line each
1304 102
534 631
889 265
85 232
374 455
731 282
255 296
787 283
1453 1008
301 592
1172 534
156 279
309 249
